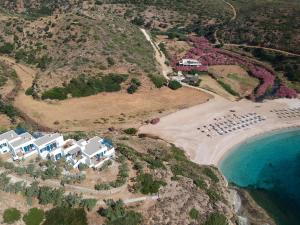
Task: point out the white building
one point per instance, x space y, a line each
5 138
97 151
73 152
23 146
93 152
49 146
189 62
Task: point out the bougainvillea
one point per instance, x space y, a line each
208 55
286 92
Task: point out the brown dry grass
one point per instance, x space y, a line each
174 47
94 177
5 122
208 83
105 109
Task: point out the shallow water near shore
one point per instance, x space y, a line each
269 167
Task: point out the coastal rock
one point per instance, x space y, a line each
178 198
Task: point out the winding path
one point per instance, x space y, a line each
265 48
234 11
160 57
99 195
166 69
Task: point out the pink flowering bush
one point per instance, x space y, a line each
208 55
286 92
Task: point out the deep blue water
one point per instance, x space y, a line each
269 167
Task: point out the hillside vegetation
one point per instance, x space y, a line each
274 24
69 45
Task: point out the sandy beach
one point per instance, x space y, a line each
191 129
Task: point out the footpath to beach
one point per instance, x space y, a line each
193 129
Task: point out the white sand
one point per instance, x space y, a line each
180 128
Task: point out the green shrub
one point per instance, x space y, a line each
8 109
194 214
216 219
116 214
132 88
147 185
11 215
200 183
85 86
34 217
174 85
110 61
139 21
82 167
88 203
29 91
158 80
130 131
136 81
66 216
58 93
7 48
209 172
76 135
213 195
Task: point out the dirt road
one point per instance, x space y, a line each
160 57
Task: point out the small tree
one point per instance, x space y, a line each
34 216
130 131
216 219
158 80
194 214
88 204
11 215
174 85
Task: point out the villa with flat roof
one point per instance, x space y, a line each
5 138
49 145
97 151
73 152
23 146
189 62
93 152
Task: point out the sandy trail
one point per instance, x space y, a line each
265 48
233 10
182 127
160 57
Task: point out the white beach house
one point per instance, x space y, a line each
93 152
97 151
49 145
23 146
72 151
5 138
189 62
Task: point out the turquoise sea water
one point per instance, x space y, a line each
269 167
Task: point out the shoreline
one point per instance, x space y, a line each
183 128
252 138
